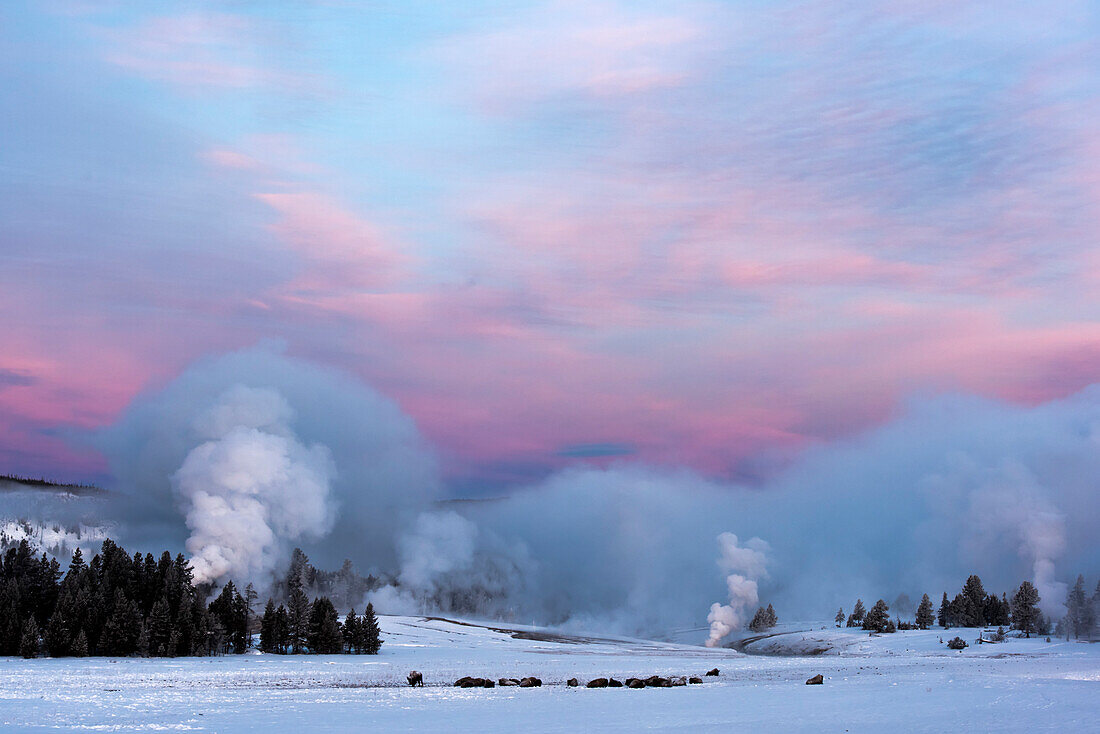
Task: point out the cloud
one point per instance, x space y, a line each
596 450
716 233
340 250
14 378
208 51
592 49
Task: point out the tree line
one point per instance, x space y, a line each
974 607
299 626
120 605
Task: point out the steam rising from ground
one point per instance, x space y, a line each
325 457
954 485
744 564
252 489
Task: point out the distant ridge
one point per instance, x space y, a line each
45 485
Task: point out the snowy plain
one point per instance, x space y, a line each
908 681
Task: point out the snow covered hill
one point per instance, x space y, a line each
901 682
808 639
52 538
53 518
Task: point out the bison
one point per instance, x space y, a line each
572 682
415 678
470 682
597 683
695 679
635 683
508 682
712 671
612 683
817 680
530 682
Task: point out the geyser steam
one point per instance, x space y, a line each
744 564
303 454
252 488
279 449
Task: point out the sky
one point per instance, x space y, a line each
697 234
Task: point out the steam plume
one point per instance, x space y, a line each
953 485
252 488
744 564
256 439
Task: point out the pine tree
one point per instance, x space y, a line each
95 612
770 617
182 642
123 627
877 618
204 637
29 642
925 619
352 632
250 597
231 612
216 638
11 619
77 566
1076 604
371 633
324 628
1025 612
972 610
297 618
239 632
858 612
49 576
57 636
839 618
159 628
152 583
221 609
282 629
142 645
974 592
1090 613
267 627
759 621
80 645
945 609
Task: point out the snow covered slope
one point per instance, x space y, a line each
53 518
848 642
1018 686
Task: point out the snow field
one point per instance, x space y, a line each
901 682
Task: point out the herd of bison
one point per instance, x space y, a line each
416 678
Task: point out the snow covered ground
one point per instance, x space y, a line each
908 681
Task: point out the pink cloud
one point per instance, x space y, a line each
198 50
598 49
232 159
339 249
773 236
841 269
